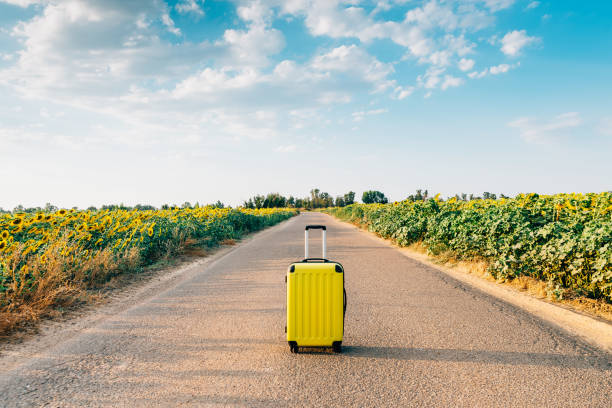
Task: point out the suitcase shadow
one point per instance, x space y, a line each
477 356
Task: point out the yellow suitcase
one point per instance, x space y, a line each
316 301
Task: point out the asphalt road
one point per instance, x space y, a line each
413 337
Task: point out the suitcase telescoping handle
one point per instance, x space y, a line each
321 227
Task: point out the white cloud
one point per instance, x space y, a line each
403 92
533 131
514 41
113 58
433 15
451 82
417 32
253 46
356 61
211 81
496 5
256 12
360 115
466 64
23 3
93 49
499 69
431 78
494 70
189 7
532 5
169 23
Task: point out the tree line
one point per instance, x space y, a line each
316 199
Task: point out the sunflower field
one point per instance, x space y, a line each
563 239
45 258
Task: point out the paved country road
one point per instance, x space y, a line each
413 337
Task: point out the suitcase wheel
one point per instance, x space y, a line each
293 347
337 346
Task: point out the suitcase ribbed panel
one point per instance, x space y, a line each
314 304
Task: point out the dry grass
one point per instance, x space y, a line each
534 287
61 286
58 285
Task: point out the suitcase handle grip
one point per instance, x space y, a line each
315 259
323 229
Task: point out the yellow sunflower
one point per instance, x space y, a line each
62 212
5 234
16 221
3 244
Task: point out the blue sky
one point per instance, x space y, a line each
107 101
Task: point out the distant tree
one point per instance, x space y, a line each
315 199
349 198
50 208
373 196
218 204
186 204
165 207
503 196
258 201
274 200
325 200
92 208
340 201
420 195
249 204
489 196
144 207
33 210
